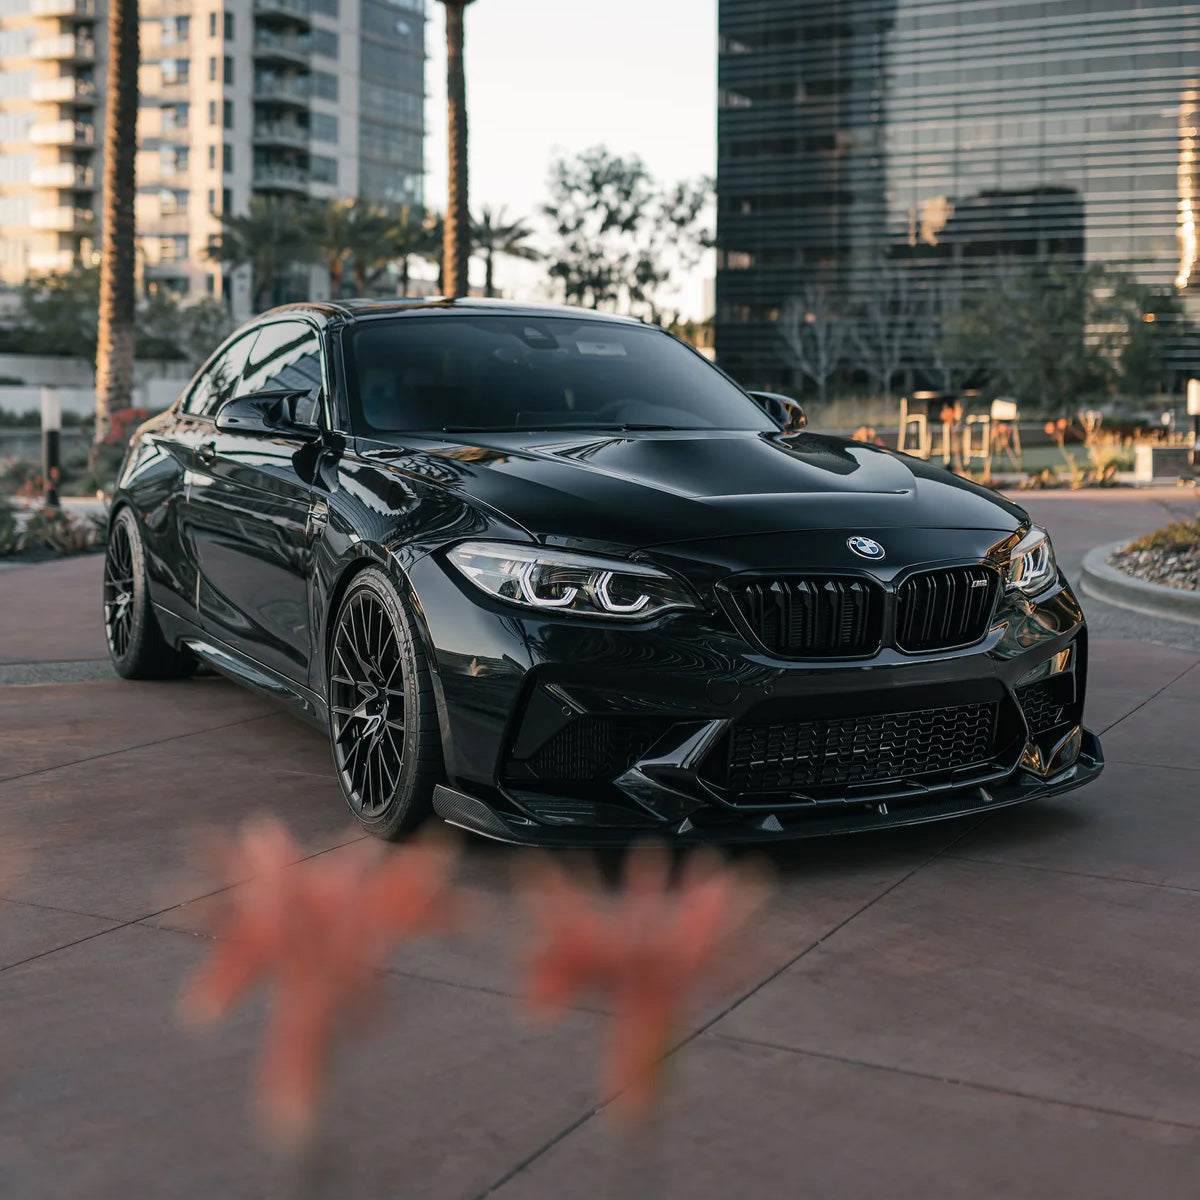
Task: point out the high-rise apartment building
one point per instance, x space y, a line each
320 98
939 136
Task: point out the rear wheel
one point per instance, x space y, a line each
135 643
382 716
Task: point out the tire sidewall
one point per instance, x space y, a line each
126 665
409 803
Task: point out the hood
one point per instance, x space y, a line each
641 490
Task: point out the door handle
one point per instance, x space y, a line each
206 452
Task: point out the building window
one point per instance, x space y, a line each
172 160
323 170
175 116
324 85
229 27
212 69
212 112
212 200
228 69
227 159
212 158
325 43
227 114
174 70
175 29
324 127
327 8
173 249
212 24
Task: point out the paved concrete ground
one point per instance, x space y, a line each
1009 1007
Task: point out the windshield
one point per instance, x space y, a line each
480 373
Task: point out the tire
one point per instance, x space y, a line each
136 645
383 725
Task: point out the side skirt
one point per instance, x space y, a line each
300 700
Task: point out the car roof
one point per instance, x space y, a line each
355 310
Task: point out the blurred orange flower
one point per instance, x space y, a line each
649 947
318 932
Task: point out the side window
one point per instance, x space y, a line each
219 380
287 356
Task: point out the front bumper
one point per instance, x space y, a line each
572 732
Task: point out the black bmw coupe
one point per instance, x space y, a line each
555 578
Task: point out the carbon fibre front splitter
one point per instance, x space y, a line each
730 827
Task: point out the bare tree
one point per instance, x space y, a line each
884 331
814 335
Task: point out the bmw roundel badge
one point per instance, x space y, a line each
866 547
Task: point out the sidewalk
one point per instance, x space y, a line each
1002 1007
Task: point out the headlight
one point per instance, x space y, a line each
557 581
1031 567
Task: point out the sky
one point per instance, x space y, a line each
545 76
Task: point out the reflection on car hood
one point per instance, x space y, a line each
647 489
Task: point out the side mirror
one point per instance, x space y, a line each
288 414
787 413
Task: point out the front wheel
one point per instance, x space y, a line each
382 715
136 645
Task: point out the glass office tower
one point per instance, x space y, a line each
935 137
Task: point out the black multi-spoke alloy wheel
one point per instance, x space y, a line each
382 715
135 643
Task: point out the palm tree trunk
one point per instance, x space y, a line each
404 275
489 260
457 246
115 335
337 270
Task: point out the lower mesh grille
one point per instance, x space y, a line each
593 750
1043 705
851 750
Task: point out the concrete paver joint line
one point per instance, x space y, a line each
955 1081
707 1025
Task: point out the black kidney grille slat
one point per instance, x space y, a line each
855 750
936 610
815 617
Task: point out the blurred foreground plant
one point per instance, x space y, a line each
650 947
318 931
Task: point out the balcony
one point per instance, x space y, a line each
64 89
283 47
286 10
63 133
50 262
279 178
66 47
63 175
283 89
281 133
65 220
84 10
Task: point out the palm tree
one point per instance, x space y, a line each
433 244
349 231
407 235
493 235
115 332
274 234
457 249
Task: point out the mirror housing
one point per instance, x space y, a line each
288 414
787 413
